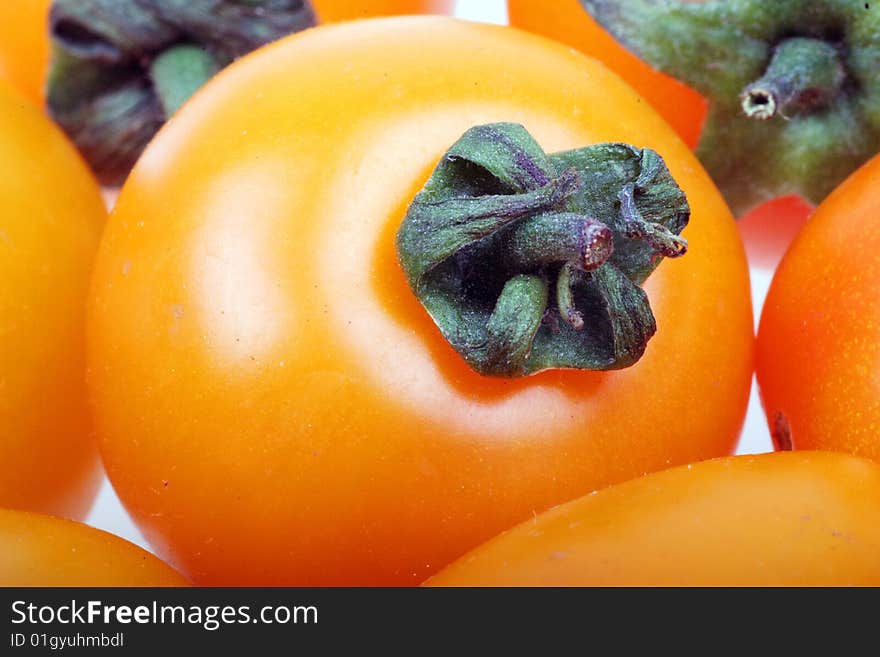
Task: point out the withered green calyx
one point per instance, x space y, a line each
528 262
120 68
793 85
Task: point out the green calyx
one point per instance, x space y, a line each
793 86
120 68
528 261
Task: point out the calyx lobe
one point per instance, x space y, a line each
793 86
528 261
120 68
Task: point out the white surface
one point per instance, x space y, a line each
108 513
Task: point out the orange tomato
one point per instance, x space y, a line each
51 215
766 230
265 381
820 328
332 11
24 45
802 519
37 550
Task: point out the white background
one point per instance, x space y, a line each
109 515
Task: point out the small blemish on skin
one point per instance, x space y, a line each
781 434
126 267
558 556
177 311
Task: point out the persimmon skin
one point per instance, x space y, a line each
784 519
567 21
24 46
820 328
265 382
333 11
38 550
51 216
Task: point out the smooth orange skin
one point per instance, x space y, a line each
768 229
51 216
24 45
274 405
333 11
819 336
784 519
567 21
38 550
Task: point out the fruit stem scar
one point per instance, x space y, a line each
804 75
